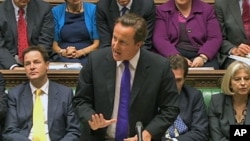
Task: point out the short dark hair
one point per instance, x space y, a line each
179 62
40 49
137 22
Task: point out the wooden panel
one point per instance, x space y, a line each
205 78
195 78
65 77
157 2
199 79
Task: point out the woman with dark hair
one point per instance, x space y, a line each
75 31
188 28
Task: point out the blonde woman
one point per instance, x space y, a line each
232 106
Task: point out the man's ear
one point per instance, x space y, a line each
139 44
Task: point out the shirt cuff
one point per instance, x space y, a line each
230 51
13 66
174 139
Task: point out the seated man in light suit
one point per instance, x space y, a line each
58 120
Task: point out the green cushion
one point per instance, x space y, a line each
207 93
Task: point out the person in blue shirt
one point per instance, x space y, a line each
75 31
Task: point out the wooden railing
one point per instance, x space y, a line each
65 77
205 78
195 78
157 2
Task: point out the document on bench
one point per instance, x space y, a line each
239 58
64 66
201 68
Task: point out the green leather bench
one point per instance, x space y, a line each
207 93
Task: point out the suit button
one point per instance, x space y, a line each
189 30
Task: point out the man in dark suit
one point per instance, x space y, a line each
59 121
109 10
192 106
235 41
3 104
40 29
153 94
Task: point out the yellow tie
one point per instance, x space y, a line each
38 119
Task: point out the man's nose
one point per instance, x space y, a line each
32 65
115 44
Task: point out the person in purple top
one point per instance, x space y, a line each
188 28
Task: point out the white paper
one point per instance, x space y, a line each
201 68
64 66
239 58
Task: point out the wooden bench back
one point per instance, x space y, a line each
157 2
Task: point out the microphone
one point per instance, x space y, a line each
138 129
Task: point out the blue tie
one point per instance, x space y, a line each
122 127
124 9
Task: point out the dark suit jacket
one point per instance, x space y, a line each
193 113
2 84
154 97
40 26
108 11
229 15
221 116
3 104
62 122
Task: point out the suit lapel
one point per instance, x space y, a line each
30 17
114 11
11 18
234 8
175 22
110 72
173 15
52 103
229 110
26 100
247 122
135 8
140 75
